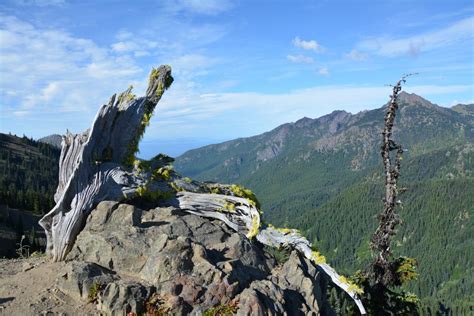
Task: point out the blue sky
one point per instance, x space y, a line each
241 67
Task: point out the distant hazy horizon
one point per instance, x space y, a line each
240 67
150 147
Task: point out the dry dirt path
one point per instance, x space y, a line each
28 287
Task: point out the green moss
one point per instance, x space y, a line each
153 195
221 310
94 292
154 74
228 208
133 145
141 190
163 173
406 269
317 257
126 96
187 180
148 108
156 306
245 193
133 148
176 187
343 279
351 286
284 230
160 90
214 190
411 298
38 254
355 289
255 228
146 119
142 165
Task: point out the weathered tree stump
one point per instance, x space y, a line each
96 165
100 164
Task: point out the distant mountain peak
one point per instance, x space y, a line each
337 116
305 121
414 99
54 140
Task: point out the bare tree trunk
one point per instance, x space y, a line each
389 219
96 165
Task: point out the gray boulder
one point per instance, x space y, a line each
179 263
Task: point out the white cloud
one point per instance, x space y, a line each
232 115
456 102
206 7
20 113
41 3
308 45
191 62
45 70
356 55
139 47
300 59
124 46
414 45
323 71
57 80
124 35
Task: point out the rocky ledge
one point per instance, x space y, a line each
163 260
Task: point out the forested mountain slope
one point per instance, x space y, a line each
28 173
324 176
28 180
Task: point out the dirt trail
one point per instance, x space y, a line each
28 287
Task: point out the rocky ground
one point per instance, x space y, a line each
161 260
29 287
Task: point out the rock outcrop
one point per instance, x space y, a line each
164 259
143 238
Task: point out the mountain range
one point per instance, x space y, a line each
325 177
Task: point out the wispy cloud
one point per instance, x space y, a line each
40 3
43 68
138 47
356 55
248 113
206 7
308 45
300 59
324 71
414 45
46 70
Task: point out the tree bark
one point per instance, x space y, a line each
96 165
380 269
